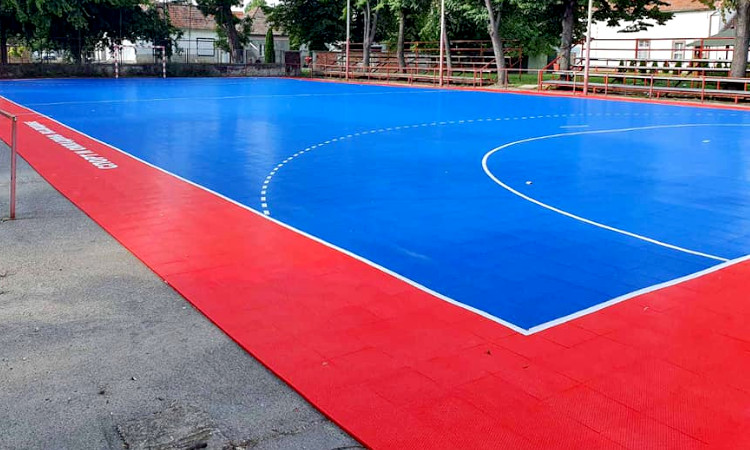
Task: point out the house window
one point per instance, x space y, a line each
678 52
205 46
644 48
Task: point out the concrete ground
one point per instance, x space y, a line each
97 352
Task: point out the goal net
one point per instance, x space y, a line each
140 54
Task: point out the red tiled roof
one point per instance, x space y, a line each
189 17
260 23
685 5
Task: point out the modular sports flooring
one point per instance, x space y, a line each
436 268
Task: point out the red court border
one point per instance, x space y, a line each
398 368
536 93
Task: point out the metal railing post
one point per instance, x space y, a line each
13 159
13 163
651 88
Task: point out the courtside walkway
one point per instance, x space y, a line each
91 339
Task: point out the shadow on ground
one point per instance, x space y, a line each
97 352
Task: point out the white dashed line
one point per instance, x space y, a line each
267 181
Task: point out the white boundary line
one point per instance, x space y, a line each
638 293
291 228
516 328
228 97
489 173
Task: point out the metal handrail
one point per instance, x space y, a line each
13 159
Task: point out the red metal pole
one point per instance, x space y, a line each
442 40
651 89
348 37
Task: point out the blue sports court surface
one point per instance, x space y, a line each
529 209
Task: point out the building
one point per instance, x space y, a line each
686 36
198 43
199 39
257 45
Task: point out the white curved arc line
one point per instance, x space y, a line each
266 210
583 219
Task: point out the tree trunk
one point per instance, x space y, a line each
3 45
366 36
448 55
742 41
568 26
371 23
233 38
400 43
497 43
76 49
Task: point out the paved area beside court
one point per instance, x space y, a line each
95 350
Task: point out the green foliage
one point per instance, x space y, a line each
310 22
723 5
532 25
270 51
262 4
718 72
415 11
77 27
464 21
677 66
638 15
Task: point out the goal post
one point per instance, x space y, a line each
119 50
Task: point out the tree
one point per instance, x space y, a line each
465 20
639 15
741 10
233 32
404 10
262 4
156 25
270 51
408 13
495 10
741 40
314 23
370 10
527 21
79 26
399 7
10 25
